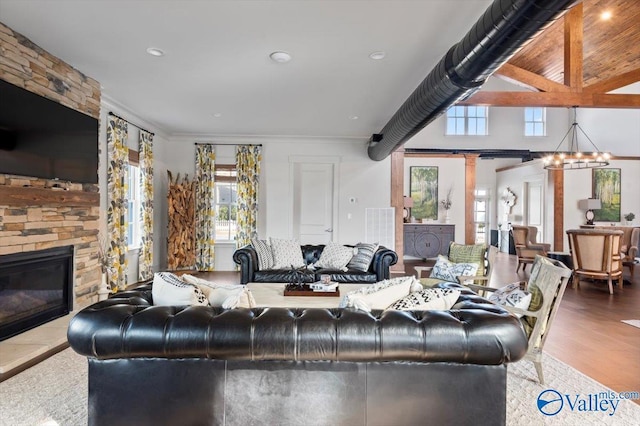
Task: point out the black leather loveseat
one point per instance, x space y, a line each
247 258
177 365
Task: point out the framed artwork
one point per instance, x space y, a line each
423 184
606 187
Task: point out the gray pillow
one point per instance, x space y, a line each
265 256
362 259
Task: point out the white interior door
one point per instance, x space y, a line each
313 202
535 207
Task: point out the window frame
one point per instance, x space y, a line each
462 114
232 182
534 122
486 198
134 238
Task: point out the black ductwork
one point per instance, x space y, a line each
501 31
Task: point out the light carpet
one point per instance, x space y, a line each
635 323
54 392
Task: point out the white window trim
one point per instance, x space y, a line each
466 122
544 123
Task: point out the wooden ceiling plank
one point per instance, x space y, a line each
553 99
573 45
614 82
529 79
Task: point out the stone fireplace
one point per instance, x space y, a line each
40 214
35 287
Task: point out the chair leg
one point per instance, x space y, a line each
576 281
538 365
610 286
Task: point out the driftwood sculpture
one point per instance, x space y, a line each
181 250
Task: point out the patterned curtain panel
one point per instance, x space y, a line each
145 162
205 207
117 171
248 171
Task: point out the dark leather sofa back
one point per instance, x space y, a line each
475 331
247 258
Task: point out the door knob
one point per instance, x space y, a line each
328 230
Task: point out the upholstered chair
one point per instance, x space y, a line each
480 254
629 251
596 254
524 239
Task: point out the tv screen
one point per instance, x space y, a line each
42 138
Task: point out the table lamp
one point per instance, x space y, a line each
590 204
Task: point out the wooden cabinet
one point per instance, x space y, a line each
425 240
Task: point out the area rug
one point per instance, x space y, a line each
635 323
54 392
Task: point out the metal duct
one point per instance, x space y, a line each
504 27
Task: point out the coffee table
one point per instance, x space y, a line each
272 295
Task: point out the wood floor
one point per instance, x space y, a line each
587 334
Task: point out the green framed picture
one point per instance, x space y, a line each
606 187
423 184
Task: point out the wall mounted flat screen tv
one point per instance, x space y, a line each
42 138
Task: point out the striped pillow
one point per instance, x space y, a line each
265 256
460 253
362 259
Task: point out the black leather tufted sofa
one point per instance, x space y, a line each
247 258
177 365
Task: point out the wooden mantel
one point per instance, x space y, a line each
32 196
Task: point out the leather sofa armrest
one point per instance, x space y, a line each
382 260
247 258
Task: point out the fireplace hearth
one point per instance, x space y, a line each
35 287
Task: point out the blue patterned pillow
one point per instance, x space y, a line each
449 271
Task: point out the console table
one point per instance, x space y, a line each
426 240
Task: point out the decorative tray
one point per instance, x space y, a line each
305 290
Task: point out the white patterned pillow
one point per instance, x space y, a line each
263 250
362 259
381 294
286 254
428 299
169 290
449 271
228 296
334 256
511 295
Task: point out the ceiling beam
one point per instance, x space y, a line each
573 47
614 83
528 79
553 99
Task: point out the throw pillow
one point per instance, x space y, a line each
381 294
169 290
449 271
362 259
511 295
469 253
334 256
286 254
227 296
263 250
428 299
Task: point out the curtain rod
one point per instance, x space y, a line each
229 144
133 124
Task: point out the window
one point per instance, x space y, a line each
481 215
467 120
226 202
535 121
133 203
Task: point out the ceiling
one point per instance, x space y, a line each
216 77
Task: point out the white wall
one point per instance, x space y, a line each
358 176
450 176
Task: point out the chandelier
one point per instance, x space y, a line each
574 159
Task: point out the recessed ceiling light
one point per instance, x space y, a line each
377 55
280 57
606 15
154 51
353 117
217 114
